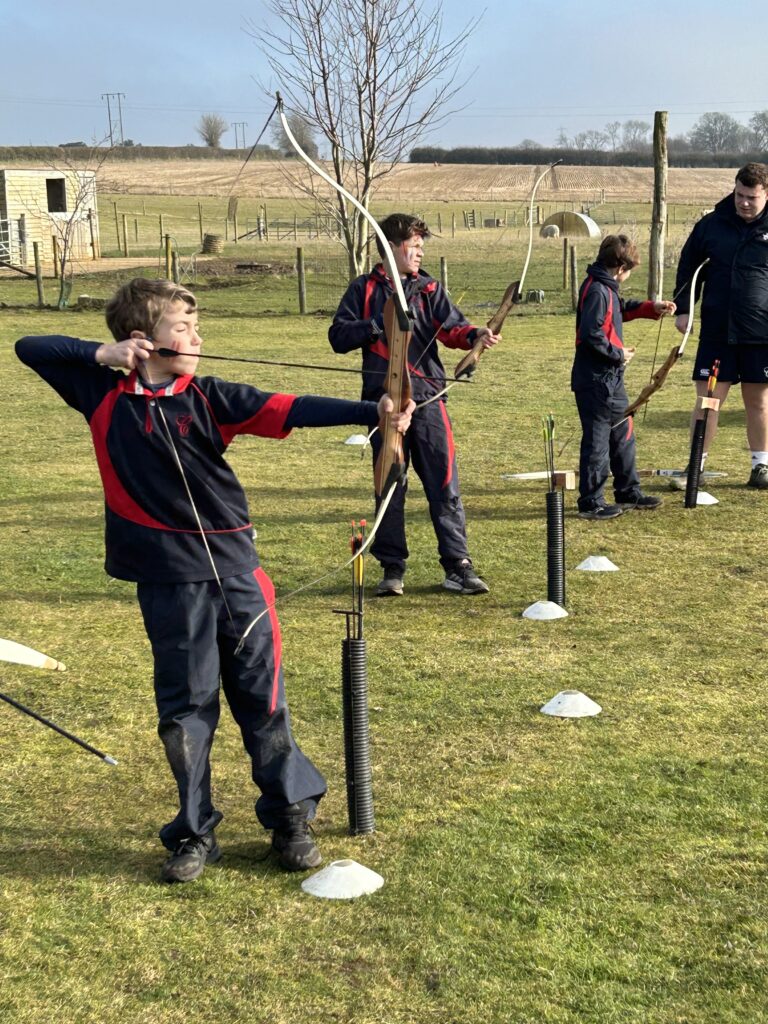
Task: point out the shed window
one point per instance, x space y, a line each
57 195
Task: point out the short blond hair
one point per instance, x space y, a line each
140 304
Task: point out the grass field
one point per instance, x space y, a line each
538 871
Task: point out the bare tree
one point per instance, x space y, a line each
635 135
369 77
301 131
758 124
590 139
717 133
613 134
210 128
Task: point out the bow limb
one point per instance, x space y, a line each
689 325
397 329
657 379
466 366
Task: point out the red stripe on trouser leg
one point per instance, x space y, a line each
451 446
630 427
268 591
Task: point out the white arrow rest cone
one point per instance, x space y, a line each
571 704
597 563
704 498
544 610
342 880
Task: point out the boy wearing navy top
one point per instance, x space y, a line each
177 525
597 379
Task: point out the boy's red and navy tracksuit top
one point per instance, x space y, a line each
600 316
152 534
359 324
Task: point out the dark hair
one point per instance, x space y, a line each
618 252
140 304
398 227
752 175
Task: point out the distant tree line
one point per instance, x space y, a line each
70 152
716 140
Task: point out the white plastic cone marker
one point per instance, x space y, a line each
544 610
597 563
21 655
356 439
342 880
571 704
704 498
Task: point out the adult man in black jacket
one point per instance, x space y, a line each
734 310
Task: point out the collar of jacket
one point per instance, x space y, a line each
600 273
134 386
727 208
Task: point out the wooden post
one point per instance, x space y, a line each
117 226
302 281
92 229
38 275
444 272
439 223
659 214
565 263
168 257
136 229
226 230
234 225
56 267
453 225
125 235
266 223
162 230
295 228
200 218
574 279
175 274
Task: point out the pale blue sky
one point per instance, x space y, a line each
539 67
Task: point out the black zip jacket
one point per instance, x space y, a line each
358 323
152 533
735 281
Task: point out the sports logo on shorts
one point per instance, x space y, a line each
704 373
765 371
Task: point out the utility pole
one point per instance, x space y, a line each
119 125
242 125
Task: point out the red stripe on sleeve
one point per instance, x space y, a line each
269 421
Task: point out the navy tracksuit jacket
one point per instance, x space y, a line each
153 537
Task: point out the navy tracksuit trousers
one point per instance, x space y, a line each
605 448
193 642
429 448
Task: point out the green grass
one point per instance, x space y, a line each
603 871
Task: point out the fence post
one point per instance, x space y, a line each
125 235
444 272
175 274
453 225
162 230
200 218
168 258
234 225
295 228
56 267
439 223
94 252
38 275
117 226
574 279
302 281
565 263
136 229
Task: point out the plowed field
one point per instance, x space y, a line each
471 182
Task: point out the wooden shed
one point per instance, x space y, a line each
40 205
572 225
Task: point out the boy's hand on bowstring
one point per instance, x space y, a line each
128 354
664 308
629 353
399 420
488 339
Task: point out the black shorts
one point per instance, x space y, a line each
747 364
